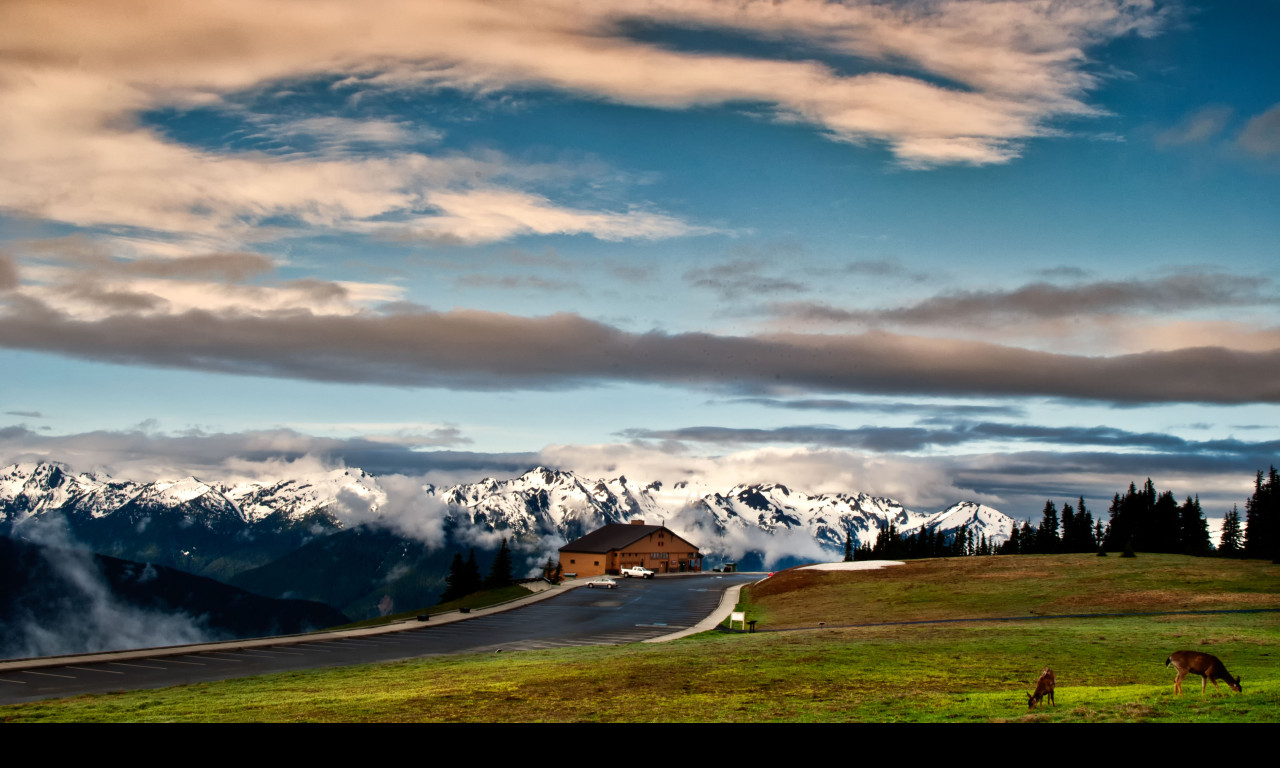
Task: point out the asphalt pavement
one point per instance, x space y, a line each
639 610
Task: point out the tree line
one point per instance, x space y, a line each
1140 519
464 576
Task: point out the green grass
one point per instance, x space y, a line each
1026 585
1108 670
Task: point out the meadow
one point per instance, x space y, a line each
1109 669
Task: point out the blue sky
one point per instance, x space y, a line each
1000 251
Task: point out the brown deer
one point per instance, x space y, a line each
1044 687
1208 667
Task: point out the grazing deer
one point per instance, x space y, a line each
1044 687
1208 667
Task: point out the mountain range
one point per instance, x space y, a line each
349 538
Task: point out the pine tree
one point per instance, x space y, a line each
1047 540
500 573
1088 538
1193 530
1069 528
1166 530
455 580
1229 544
1010 545
471 580
1262 518
1027 539
848 547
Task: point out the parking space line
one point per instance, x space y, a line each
136 666
47 674
95 669
15 682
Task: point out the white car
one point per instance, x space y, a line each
639 572
604 582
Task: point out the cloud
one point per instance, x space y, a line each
1048 301
741 278
87 616
518 282
144 454
1261 135
469 349
928 411
8 273
941 83
492 214
1196 128
900 439
889 268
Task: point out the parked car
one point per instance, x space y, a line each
604 582
639 572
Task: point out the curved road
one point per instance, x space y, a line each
638 610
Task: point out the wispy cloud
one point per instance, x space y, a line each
895 439
742 278
923 410
80 74
1049 301
1261 135
1203 125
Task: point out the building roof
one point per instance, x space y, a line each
613 536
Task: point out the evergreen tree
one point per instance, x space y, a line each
1069 529
1088 541
1230 543
848 547
1165 535
1262 518
1027 539
455 580
500 573
471 581
1010 545
1193 530
1047 540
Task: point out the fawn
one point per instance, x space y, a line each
1208 667
1044 687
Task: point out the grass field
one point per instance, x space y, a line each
1108 669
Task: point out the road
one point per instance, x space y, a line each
638 610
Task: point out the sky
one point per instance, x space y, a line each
943 250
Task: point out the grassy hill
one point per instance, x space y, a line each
1108 669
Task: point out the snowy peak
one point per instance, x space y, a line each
542 505
970 515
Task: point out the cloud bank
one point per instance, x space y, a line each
470 349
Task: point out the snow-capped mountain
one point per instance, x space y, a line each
205 523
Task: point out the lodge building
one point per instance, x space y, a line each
613 547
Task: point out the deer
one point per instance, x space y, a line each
1044 687
1207 666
